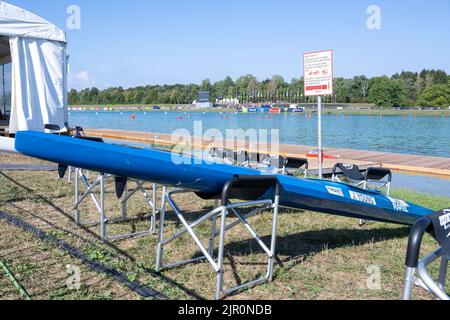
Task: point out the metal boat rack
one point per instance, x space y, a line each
253 190
94 189
415 265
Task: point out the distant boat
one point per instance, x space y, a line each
265 109
274 110
297 110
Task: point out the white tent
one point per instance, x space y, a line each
37 51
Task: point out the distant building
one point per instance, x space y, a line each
203 100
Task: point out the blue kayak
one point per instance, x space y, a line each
194 174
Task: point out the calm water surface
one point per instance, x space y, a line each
410 135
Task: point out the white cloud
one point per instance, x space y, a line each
81 80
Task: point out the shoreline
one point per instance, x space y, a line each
353 112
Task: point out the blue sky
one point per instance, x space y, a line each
138 42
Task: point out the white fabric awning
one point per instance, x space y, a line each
17 22
37 50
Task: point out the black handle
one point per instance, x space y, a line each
248 181
415 241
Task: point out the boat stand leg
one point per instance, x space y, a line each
409 283
443 271
124 202
103 220
77 193
69 175
154 210
213 231
151 201
160 252
219 276
163 204
273 244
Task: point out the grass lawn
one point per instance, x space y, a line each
319 256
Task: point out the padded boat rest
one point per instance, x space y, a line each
350 171
378 174
93 139
296 163
247 188
52 127
436 224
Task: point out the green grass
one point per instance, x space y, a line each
427 200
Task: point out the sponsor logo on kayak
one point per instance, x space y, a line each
445 220
363 198
399 205
335 191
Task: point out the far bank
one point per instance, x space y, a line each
338 109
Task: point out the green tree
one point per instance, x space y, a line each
437 95
385 92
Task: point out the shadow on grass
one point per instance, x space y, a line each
62 212
302 246
308 243
298 247
122 253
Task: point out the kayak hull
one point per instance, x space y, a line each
200 176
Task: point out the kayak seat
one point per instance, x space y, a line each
247 188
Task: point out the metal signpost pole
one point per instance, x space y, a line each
319 128
318 77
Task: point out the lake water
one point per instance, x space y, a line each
410 135
423 184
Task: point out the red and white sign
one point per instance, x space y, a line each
318 73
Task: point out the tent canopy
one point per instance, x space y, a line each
37 50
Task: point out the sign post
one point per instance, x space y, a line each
318 75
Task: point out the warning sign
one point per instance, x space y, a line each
318 73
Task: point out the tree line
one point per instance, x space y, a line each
428 88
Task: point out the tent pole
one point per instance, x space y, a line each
4 91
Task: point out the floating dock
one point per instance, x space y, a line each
399 162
